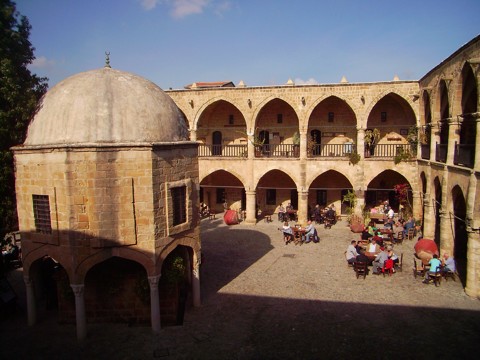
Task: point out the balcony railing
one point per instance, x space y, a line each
332 150
388 150
441 152
222 150
277 150
425 151
464 155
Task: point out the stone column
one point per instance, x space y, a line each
446 235
472 287
434 139
303 144
196 283
80 316
360 202
302 207
154 303
251 212
361 142
417 204
31 305
251 146
428 213
193 135
477 146
453 137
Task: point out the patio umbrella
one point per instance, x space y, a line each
230 217
425 248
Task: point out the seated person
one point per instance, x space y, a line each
287 232
317 214
378 238
361 257
352 253
379 261
434 265
449 263
392 255
281 213
310 231
373 247
372 229
410 224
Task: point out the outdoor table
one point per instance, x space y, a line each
298 234
371 256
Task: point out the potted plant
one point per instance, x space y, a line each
353 157
371 139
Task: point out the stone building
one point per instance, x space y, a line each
108 184
264 146
107 197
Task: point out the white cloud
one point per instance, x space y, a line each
310 81
149 4
223 7
42 63
183 8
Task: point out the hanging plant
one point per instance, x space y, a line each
353 158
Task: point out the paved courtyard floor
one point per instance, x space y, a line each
264 300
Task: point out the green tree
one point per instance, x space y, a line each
20 92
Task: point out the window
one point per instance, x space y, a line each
220 195
271 196
230 119
179 201
279 118
331 116
41 213
322 197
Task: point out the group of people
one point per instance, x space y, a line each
286 213
385 256
326 216
435 265
309 234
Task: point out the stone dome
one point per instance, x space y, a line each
106 106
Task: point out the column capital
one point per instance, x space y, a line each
153 280
78 289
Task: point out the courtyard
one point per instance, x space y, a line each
264 300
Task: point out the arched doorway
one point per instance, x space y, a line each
217 143
460 233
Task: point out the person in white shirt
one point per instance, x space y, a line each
351 253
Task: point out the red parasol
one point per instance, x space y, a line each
230 217
425 248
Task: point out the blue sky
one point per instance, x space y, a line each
262 42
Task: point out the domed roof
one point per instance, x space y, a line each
106 106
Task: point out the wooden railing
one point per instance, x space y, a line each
464 155
332 150
388 150
277 150
425 151
441 153
222 150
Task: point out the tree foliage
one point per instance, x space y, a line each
20 92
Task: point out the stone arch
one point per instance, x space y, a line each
211 101
117 291
262 105
54 252
233 190
284 185
381 187
311 108
328 188
127 253
382 95
284 168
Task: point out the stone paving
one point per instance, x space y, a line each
264 300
